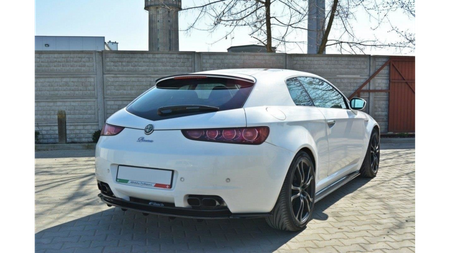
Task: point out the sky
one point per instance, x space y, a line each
126 22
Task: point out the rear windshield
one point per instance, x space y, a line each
189 96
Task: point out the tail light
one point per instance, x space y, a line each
244 135
110 130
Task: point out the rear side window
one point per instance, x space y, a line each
179 97
298 93
323 94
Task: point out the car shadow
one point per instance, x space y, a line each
131 231
321 206
116 230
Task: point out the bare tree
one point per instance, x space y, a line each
273 21
343 15
260 16
408 7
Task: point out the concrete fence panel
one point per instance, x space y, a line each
91 86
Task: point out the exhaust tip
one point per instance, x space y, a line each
206 201
193 201
210 202
104 188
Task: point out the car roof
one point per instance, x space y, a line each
257 72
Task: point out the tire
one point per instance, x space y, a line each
295 204
369 168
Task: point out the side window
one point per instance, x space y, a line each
323 94
298 92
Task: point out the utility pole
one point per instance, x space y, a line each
316 24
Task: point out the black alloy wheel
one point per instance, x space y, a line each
302 190
371 162
295 205
374 153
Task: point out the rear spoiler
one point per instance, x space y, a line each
196 76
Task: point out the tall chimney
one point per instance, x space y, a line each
163 25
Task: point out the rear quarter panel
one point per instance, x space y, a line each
302 127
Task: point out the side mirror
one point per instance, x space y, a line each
358 103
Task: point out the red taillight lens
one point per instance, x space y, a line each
247 135
195 134
250 134
109 130
212 134
229 134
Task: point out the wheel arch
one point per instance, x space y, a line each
372 125
377 127
311 154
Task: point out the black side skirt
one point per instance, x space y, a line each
336 185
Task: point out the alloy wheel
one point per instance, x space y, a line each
374 153
302 190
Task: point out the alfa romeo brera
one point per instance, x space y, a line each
237 143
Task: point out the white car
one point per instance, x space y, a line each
238 143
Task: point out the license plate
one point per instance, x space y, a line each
144 177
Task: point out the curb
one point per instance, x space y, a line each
397 140
69 146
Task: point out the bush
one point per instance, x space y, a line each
36 136
96 136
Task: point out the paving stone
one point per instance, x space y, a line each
375 215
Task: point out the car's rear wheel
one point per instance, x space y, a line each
295 204
371 162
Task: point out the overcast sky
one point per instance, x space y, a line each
126 22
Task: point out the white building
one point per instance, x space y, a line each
73 43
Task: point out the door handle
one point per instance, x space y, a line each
331 123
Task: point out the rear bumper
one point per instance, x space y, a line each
247 177
178 211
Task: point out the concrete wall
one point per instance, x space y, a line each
69 81
91 86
